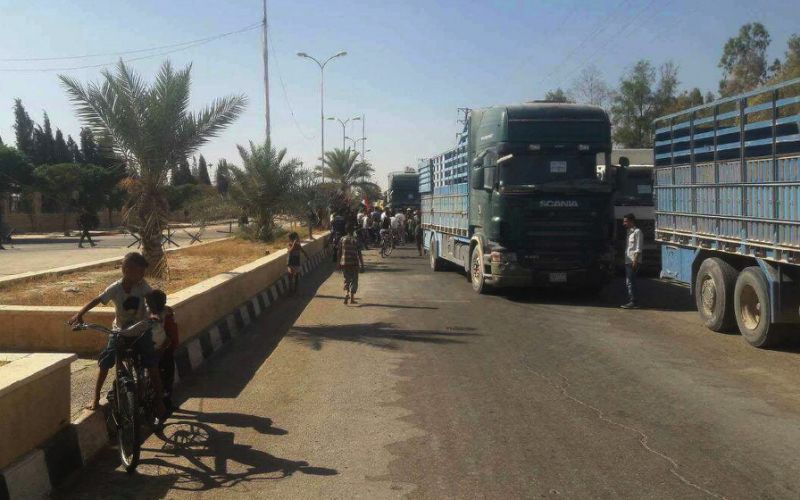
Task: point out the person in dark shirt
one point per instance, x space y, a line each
87 220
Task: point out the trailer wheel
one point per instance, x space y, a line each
713 293
752 307
476 271
436 262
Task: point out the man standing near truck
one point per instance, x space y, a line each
633 258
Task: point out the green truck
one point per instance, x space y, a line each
519 203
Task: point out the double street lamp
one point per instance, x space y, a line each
322 101
355 142
344 126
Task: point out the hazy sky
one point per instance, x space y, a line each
411 63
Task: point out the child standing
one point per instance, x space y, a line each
128 295
294 250
350 261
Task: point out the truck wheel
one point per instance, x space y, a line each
436 262
476 271
752 307
713 294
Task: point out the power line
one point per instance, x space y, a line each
88 66
601 27
283 86
127 52
614 36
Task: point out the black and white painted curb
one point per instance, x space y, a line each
37 473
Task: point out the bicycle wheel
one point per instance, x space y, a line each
128 434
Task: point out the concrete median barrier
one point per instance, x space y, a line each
210 314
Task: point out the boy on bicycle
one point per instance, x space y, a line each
128 295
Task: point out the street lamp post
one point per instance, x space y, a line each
344 126
322 102
355 144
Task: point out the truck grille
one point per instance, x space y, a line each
560 241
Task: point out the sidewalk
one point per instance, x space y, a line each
318 412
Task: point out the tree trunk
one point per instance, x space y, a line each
153 251
153 219
110 218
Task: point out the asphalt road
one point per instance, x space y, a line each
39 252
425 390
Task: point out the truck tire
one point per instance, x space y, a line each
752 308
713 294
476 271
436 262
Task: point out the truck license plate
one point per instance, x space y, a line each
558 167
558 277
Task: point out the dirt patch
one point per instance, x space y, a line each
4 363
188 266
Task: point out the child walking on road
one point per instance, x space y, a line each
294 250
350 261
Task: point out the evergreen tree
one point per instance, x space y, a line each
74 151
182 174
193 169
222 177
23 129
43 143
202 172
89 148
61 152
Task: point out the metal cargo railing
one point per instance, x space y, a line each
727 174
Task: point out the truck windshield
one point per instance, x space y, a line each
635 188
550 131
534 169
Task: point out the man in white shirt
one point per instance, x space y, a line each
633 258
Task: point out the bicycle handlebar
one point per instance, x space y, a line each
103 329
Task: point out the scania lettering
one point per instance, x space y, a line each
518 202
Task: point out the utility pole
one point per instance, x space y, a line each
266 71
363 135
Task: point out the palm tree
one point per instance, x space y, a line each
151 130
343 169
264 185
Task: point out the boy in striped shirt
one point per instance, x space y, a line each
350 261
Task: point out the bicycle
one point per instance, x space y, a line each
132 399
389 241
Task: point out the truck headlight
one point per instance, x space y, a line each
503 257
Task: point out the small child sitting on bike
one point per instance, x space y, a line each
165 340
127 295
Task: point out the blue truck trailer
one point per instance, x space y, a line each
727 190
518 202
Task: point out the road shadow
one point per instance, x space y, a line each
382 335
201 457
190 454
248 351
654 294
370 304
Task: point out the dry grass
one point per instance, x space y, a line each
188 266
